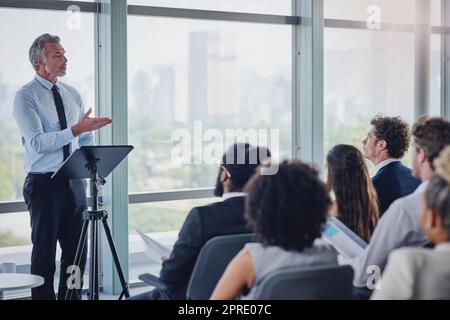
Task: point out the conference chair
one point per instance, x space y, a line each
325 282
212 261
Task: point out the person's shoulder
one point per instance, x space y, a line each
406 201
409 255
217 205
27 89
200 210
70 89
322 247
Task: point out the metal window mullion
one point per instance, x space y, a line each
133 198
422 50
308 82
296 89
362 25
210 15
171 195
112 99
48 5
445 59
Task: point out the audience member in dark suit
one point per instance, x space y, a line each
385 144
237 166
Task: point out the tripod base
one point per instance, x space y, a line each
94 216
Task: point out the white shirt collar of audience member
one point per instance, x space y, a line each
229 195
383 164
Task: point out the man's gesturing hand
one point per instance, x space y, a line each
87 124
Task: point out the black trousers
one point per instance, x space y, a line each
56 207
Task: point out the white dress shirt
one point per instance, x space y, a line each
229 195
35 113
416 273
398 227
383 164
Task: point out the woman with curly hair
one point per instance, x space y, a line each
355 202
421 273
287 211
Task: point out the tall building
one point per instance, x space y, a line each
212 77
154 93
162 95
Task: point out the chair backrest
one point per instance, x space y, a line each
212 262
326 282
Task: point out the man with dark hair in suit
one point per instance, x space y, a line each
385 144
226 217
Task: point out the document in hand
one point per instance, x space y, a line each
344 240
154 250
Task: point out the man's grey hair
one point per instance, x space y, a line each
37 49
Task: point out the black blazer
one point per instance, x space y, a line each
393 181
202 223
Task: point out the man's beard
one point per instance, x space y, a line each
218 190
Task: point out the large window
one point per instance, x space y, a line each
18 29
211 82
16 71
366 73
209 76
369 61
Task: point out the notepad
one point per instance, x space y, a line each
344 240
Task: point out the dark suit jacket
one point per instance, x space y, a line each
201 224
393 181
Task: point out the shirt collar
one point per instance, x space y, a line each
383 164
421 187
47 84
445 246
229 195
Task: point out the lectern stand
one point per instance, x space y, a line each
94 163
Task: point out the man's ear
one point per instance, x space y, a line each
422 155
39 61
382 145
223 176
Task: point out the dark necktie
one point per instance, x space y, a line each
61 117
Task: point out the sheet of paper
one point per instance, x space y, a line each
153 249
345 241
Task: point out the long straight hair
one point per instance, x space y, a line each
355 194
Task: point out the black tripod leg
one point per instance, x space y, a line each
116 260
78 255
97 277
92 275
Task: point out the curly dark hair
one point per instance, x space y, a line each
287 209
241 161
348 177
395 132
431 135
